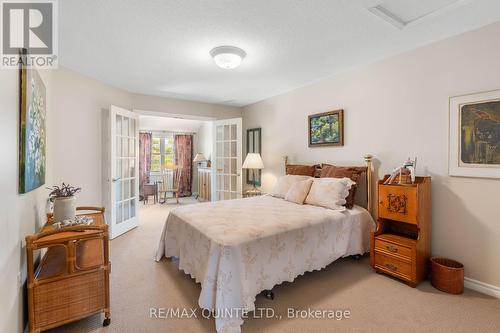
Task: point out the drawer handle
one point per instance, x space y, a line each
391 267
392 248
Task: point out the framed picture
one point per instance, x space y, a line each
475 135
31 131
254 145
326 129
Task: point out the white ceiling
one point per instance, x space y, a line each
161 47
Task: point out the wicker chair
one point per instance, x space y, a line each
165 186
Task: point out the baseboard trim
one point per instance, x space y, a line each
482 287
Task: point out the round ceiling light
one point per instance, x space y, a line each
227 57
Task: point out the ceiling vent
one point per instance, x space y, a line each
402 14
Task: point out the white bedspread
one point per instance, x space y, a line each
238 248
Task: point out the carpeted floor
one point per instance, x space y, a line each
376 303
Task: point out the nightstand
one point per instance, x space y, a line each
255 192
401 245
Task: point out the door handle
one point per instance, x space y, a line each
115 179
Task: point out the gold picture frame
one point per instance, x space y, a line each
326 129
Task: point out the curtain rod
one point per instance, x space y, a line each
174 132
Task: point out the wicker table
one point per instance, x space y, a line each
72 280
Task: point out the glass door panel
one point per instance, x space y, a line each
124 138
226 170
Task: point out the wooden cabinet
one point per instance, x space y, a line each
398 202
204 183
401 245
72 279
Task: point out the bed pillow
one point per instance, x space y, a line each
353 173
284 183
298 191
300 170
329 192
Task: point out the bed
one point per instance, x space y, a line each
238 248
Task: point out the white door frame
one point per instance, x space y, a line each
239 151
116 229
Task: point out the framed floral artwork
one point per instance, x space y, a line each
32 140
475 135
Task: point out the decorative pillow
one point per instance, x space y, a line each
354 173
329 192
284 183
300 170
298 191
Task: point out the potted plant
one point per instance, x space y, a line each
64 201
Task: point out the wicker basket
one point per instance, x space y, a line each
447 275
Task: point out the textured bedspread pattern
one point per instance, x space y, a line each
238 248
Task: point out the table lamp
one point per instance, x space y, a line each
254 162
199 158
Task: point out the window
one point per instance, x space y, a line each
162 151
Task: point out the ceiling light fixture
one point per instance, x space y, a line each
227 57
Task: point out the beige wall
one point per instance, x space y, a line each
20 214
182 107
205 139
395 109
76 136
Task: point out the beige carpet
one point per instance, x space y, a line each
377 303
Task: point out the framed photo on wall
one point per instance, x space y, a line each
326 129
474 149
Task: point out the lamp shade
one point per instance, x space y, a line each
199 158
253 161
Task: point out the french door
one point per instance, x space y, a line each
124 164
226 163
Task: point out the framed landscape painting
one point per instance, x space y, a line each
475 135
326 129
31 131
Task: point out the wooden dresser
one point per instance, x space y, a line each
204 183
72 279
401 245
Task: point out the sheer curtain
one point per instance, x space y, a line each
183 150
144 159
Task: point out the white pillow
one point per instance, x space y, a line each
298 191
284 183
329 192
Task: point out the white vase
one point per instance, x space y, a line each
64 209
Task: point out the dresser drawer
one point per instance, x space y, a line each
399 203
399 250
393 265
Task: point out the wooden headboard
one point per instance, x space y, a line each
369 186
